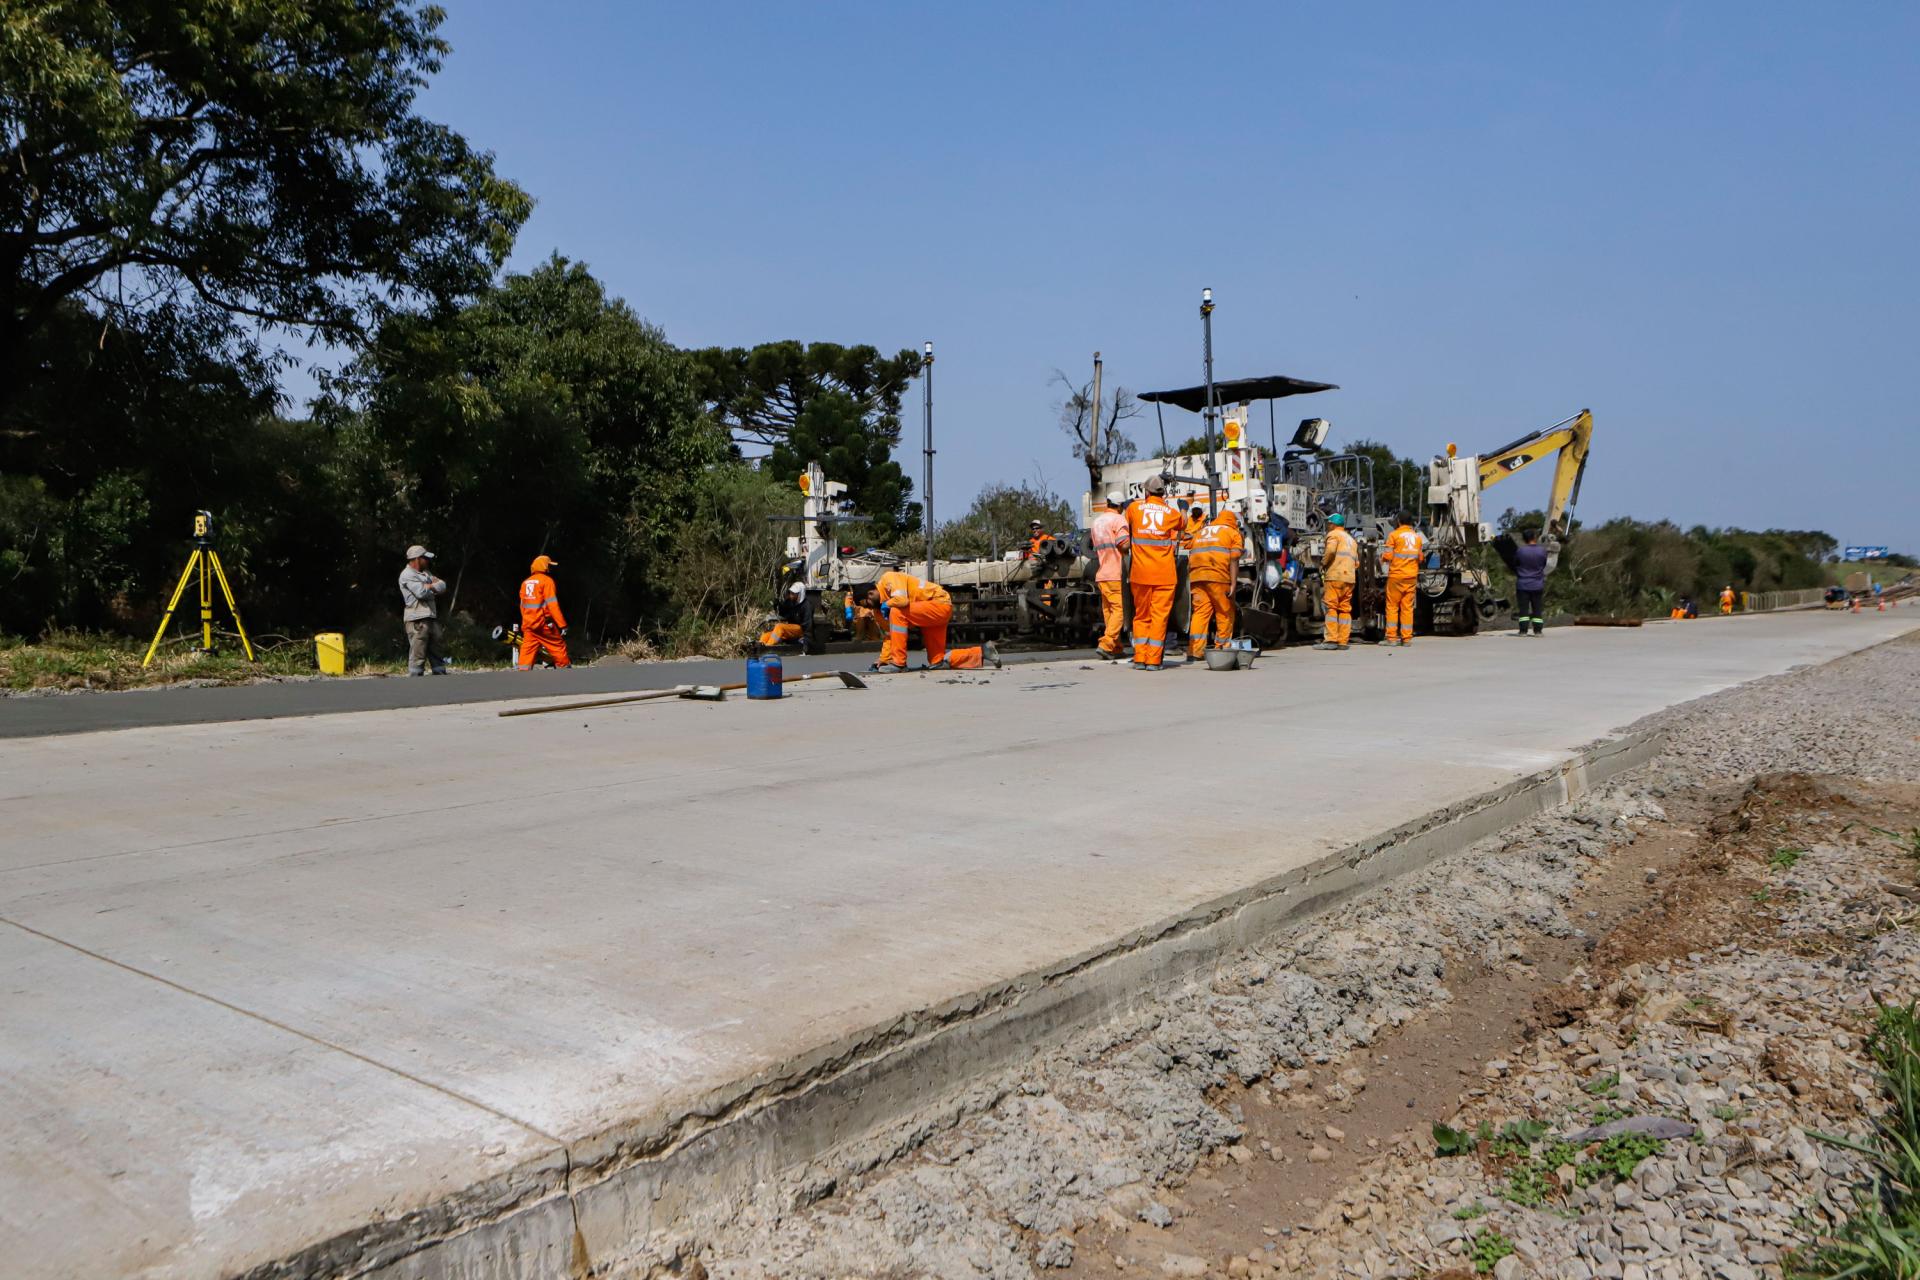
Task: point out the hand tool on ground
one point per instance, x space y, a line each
718 692
675 692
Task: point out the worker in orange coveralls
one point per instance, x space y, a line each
1726 600
1400 556
543 628
1153 531
1213 563
1339 565
1110 545
863 622
910 602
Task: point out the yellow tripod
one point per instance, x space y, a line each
206 561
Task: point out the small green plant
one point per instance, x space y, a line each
1516 1136
1449 1141
1727 1113
1619 1155
1603 1086
1489 1246
1908 843
1763 895
1605 1114
1468 1212
1532 1183
1783 859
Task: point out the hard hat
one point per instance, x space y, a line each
543 563
1337 519
1156 484
1035 524
1115 498
418 552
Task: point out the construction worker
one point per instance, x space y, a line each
778 633
543 628
1196 520
1400 557
1726 599
1153 533
1037 536
1530 582
910 602
1212 564
1339 564
863 622
1110 544
419 613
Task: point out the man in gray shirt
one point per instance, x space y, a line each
418 590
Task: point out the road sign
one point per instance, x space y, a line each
1863 553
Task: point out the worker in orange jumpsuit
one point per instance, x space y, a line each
1153 532
864 622
1110 544
1338 566
1400 557
543 628
1213 562
910 602
1037 537
781 633
1726 600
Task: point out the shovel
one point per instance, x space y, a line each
699 692
718 692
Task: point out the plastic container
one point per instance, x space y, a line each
763 676
330 651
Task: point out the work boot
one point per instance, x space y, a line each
1403 643
1340 648
1104 656
887 668
1539 628
990 654
1140 666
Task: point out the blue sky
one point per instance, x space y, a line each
1697 219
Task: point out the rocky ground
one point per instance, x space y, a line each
1626 1018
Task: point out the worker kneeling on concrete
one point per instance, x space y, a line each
1153 530
1337 570
1400 556
543 628
1212 564
910 602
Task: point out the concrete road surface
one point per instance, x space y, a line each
265 982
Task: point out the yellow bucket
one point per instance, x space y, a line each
330 648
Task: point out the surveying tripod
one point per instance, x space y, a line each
207 562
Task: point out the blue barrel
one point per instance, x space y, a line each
763 676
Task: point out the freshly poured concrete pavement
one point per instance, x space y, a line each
264 983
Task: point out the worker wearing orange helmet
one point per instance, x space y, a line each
1400 557
543 628
1213 562
1109 545
1153 532
1338 565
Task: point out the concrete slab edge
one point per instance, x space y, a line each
639 1193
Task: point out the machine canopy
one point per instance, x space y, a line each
1194 399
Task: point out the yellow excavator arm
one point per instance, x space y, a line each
1570 439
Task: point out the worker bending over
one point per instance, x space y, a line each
1400 557
910 602
1212 564
543 628
1337 570
1110 544
1726 599
1153 532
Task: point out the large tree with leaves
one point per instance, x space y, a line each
258 162
820 402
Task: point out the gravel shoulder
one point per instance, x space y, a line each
1698 944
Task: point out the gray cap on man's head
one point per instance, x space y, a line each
417 552
1156 484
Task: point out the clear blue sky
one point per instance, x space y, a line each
1698 219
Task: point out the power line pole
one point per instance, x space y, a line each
926 487
1206 324
1093 439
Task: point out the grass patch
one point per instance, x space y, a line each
1619 1155
1468 1212
1603 1086
90 660
1881 1241
1783 859
1489 1246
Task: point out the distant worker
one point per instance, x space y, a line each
543 628
1530 582
1688 608
1338 565
419 613
1400 557
1110 544
1037 537
911 602
862 621
1213 563
1196 520
1726 599
1153 532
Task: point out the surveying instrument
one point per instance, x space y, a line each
206 562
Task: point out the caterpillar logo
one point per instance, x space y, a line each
1516 462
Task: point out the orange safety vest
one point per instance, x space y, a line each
1342 558
899 589
1154 531
1216 550
540 604
1033 543
1403 551
1726 599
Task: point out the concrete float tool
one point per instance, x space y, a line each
696 692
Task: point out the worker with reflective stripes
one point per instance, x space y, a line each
1726 599
1213 562
1337 571
1153 533
1110 544
543 628
1400 557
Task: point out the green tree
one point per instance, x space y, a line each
258 163
808 402
997 520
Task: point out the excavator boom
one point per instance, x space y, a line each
1570 440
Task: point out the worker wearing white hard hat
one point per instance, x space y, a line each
1110 544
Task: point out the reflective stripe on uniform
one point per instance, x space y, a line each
1151 644
1156 542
